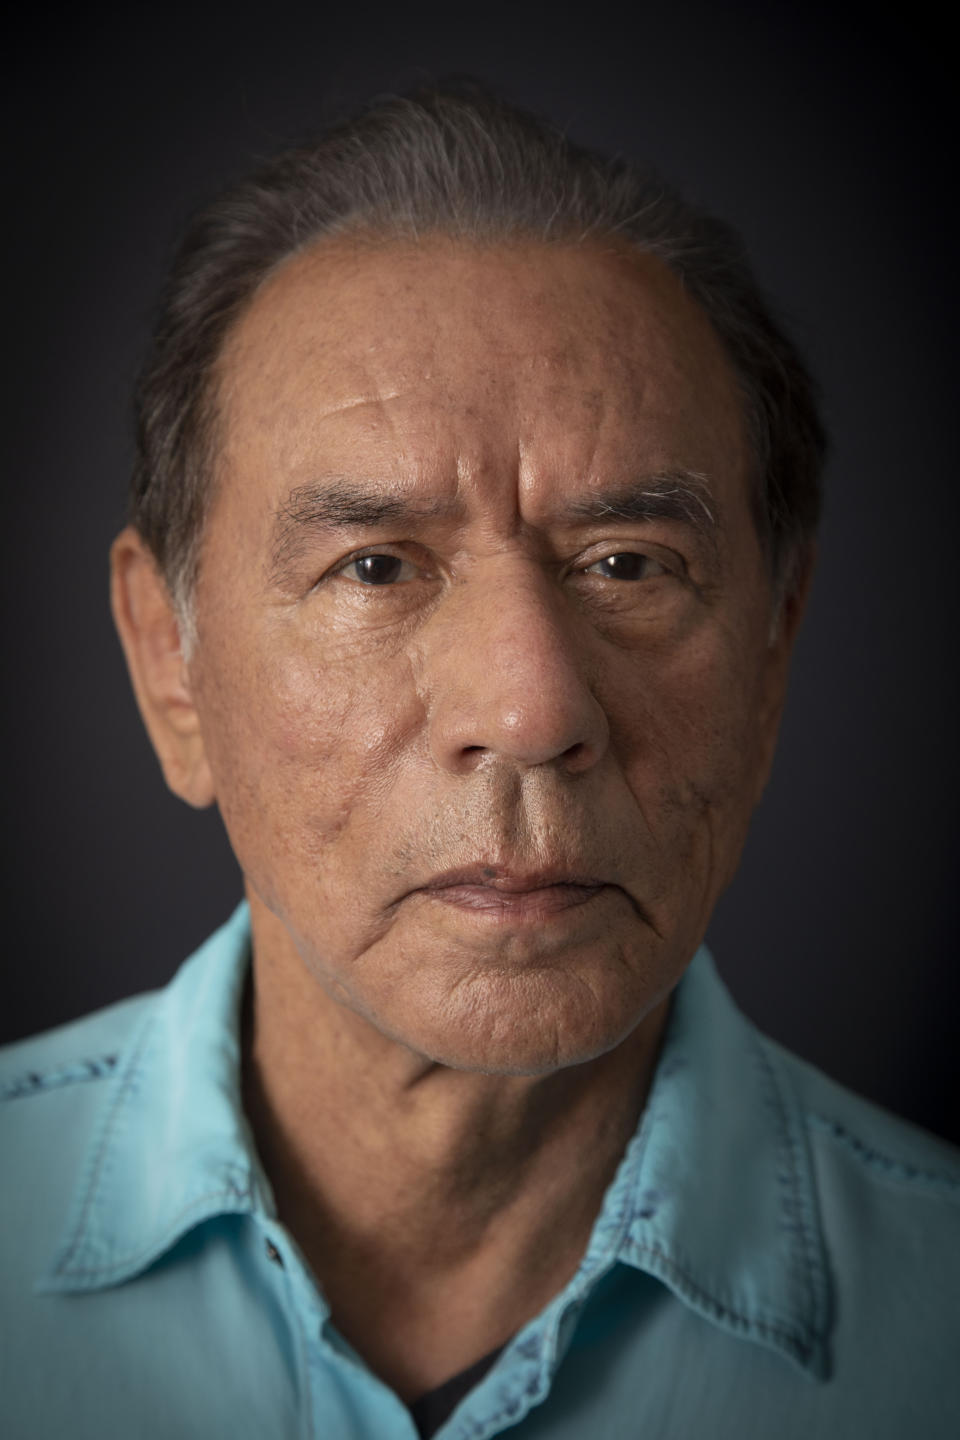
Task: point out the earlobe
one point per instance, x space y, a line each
150 635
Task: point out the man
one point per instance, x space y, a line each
470 537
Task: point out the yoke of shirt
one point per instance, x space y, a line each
170 1301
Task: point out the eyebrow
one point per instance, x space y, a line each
681 495
340 504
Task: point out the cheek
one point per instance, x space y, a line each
687 733
300 748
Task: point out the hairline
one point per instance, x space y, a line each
362 233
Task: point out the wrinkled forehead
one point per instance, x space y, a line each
448 354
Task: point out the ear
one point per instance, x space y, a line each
150 635
783 635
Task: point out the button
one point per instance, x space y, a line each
273 1253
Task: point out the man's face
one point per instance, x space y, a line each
487 694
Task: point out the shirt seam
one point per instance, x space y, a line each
94 1180
697 1295
75 1072
887 1167
158 1244
543 1361
796 1197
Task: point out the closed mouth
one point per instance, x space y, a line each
508 895
501 880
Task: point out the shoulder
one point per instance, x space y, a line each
79 1053
851 1133
54 1090
884 1200
875 1213
79 1056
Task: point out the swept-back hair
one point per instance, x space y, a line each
463 163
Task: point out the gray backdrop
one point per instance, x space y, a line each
822 134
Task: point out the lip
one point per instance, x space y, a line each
498 893
503 880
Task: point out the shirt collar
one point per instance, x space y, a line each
172 1147
714 1196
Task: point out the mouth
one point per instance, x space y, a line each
502 894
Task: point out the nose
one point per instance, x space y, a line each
507 679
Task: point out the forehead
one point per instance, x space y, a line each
457 358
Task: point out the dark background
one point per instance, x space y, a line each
823 135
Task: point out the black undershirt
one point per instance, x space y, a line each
430 1411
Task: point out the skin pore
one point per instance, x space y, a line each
485 688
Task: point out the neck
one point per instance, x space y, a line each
439 1209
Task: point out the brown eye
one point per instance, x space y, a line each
627 565
376 569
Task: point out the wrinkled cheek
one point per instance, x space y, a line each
692 759
313 757
719 800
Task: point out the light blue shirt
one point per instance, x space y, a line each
775 1257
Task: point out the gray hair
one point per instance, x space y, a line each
464 163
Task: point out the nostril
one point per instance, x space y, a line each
577 756
558 723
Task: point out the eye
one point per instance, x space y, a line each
627 565
378 569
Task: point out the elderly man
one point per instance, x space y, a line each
470 536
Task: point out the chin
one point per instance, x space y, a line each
529 1024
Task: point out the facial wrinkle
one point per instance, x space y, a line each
534 435
533 820
361 726
357 403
